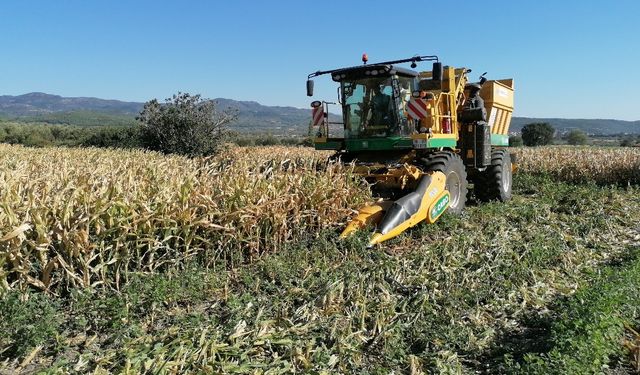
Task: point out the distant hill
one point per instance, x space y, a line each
253 116
38 103
590 126
54 109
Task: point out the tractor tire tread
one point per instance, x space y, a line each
489 184
447 162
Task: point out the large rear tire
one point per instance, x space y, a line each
495 182
451 165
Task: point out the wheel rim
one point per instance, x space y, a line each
506 177
453 185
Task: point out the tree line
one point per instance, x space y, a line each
45 135
184 124
190 125
542 133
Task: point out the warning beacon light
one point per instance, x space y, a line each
365 58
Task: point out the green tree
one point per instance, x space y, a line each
577 137
515 141
185 124
629 141
537 134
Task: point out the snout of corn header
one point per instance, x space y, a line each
427 202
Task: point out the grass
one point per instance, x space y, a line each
588 329
441 298
27 322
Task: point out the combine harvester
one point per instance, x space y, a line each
419 138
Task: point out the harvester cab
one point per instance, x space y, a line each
420 138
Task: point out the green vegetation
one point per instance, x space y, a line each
42 135
606 127
587 330
81 118
267 139
537 134
630 141
184 125
577 137
515 141
27 321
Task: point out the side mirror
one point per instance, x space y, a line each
309 87
437 71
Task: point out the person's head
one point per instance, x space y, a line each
474 89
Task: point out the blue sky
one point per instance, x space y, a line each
573 59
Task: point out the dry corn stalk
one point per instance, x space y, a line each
86 217
583 164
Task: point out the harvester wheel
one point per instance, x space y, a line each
451 165
495 182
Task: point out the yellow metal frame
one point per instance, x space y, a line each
444 103
401 177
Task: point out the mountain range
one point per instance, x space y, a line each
252 116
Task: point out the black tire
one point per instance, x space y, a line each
495 182
451 165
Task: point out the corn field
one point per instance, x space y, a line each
442 298
618 166
88 217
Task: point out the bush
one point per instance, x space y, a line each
515 141
537 134
118 137
185 124
41 135
629 142
25 323
268 139
577 137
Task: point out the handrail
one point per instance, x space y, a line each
413 60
